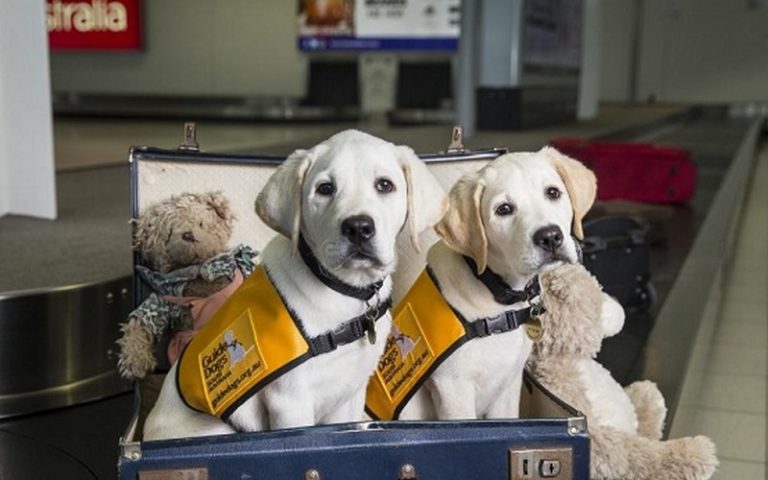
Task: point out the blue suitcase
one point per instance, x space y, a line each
550 440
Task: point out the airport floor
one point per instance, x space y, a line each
731 406
91 160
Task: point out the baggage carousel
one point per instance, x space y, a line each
68 426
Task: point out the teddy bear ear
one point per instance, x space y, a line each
140 232
220 205
146 241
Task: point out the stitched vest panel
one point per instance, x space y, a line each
251 340
425 331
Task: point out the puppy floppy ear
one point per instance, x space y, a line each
426 197
462 228
580 182
279 202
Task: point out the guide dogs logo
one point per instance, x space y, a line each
403 342
405 355
230 360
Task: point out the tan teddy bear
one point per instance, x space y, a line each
625 424
182 242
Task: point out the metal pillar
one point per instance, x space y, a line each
467 69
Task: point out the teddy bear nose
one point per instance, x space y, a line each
188 236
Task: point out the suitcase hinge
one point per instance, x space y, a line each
577 425
457 140
189 143
130 451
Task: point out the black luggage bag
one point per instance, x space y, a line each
616 251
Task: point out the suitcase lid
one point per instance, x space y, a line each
156 174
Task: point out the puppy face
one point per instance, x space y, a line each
349 197
518 213
354 203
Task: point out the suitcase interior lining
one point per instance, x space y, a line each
241 179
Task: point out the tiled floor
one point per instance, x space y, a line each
731 405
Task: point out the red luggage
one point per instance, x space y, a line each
640 172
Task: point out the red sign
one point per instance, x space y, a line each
93 24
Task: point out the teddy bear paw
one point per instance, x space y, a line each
649 406
136 357
690 458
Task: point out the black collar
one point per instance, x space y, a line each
361 293
502 292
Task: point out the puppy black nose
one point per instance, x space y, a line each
188 236
548 238
358 228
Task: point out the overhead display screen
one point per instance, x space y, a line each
552 34
379 25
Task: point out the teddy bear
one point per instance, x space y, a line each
182 242
625 424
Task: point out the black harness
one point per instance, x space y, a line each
508 320
351 330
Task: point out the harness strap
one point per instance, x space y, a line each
504 322
350 331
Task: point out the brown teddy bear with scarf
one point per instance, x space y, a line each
190 271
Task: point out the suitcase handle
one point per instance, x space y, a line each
599 244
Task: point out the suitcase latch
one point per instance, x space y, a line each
538 463
457 140
189 143
175 474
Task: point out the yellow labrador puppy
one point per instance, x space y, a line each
339 208
505 224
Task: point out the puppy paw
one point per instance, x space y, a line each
136 357
649 406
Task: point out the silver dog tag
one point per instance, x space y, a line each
371 327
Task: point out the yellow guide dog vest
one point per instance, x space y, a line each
248 342
425 331
252 340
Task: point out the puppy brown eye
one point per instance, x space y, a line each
553 193
325 189
505 209
384 185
